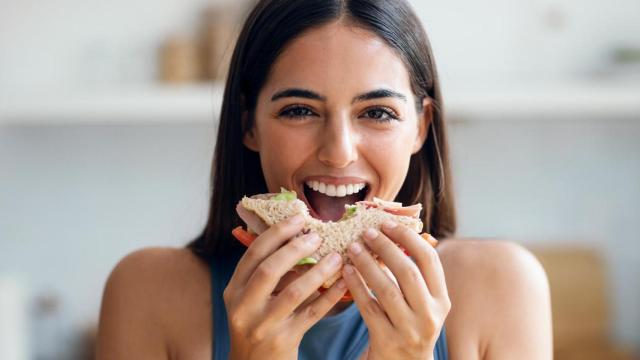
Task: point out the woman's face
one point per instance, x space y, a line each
337 113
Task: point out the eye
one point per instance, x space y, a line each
381 114
296 112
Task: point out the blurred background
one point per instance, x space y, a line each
108 117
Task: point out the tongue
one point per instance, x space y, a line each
329 207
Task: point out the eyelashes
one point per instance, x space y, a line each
378 114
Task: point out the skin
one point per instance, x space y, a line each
492 296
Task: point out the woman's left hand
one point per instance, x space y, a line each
404 322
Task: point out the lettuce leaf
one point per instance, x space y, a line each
350 211
307 260
285 195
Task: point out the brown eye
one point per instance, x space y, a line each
296 112
381 114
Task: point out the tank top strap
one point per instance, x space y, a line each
222 268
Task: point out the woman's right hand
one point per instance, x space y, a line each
261 324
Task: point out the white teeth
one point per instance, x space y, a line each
350 189
335 190
322 188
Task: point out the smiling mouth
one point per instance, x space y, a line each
327 201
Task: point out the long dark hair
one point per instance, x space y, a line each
271 25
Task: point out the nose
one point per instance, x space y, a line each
339 141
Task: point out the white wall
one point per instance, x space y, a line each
558 182
507 40
74 200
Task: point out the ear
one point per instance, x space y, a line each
424 121
250 139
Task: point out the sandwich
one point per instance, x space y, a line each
264 210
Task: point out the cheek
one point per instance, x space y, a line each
282 152
389 156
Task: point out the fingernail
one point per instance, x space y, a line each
388 224
335 259
341 285
348 269
296 219
370 234
355 248
312 238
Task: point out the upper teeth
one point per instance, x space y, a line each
335 190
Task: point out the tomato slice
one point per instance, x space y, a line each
430 239
346 297
243 236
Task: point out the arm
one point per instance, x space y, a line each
129 326
522 326
500 298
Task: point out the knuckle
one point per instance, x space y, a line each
265 271
392 293
382 245
280 229
237 320
405 231
413 275
312 313
429 255
258 334
446 304
293 293
326 269
430 324
280 341
433 254
298 245
251 253
413 338
227 295
371 306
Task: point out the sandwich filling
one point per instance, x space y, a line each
327 202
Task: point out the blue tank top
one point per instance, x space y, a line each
340 336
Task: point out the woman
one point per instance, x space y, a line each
340 92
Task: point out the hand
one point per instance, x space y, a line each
404 322
263 324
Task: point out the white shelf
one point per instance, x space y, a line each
201 103
158 104
544 101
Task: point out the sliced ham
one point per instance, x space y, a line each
410 211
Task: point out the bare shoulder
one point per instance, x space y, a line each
154 301
500 300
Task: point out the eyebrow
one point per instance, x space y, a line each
308 94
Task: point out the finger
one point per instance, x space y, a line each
302 288
310 314
265 245
408 275
424 255
265 278
371 311
388 294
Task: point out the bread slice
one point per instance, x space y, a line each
335 235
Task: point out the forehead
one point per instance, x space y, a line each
339 58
